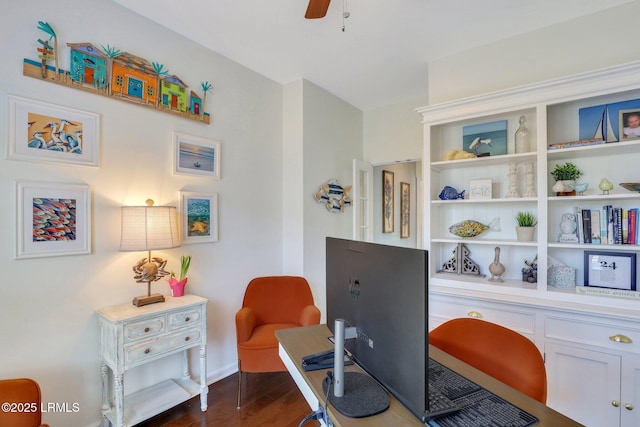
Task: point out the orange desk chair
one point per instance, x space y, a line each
270 303
497 351
23 391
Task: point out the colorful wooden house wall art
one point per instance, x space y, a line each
88 65
122 76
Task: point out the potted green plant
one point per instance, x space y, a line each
526 226
565 176
178 285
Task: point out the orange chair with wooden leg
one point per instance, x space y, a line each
270 303
24 393
497 351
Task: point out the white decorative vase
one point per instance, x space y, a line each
563 188
525 234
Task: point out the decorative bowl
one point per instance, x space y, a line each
631 186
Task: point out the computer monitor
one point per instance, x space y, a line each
381 290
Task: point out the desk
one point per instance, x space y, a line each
131 336
298 342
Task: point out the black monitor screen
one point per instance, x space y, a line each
382 291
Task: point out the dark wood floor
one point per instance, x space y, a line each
269 399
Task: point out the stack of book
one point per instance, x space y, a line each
608 225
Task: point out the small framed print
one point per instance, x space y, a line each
629 123
196 156
614 270
198 217
486 139
52 220
41 132
480 188
387 201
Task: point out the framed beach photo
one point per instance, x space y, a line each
198 217
196 156
41 132
615 270
486 139
52 220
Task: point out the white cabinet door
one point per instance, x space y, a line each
584 384
630 403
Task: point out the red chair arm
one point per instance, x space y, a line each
245 324
310 316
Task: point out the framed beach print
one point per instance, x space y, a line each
42 132
387 202
198 217
615 270
196 156
486 139
52 219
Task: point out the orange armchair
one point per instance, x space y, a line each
270 303
497 351
26 393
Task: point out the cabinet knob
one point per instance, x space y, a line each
621 338
628 407
147 351
186 319
616 403
475 314
147 329
187 338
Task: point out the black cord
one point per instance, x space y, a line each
320 414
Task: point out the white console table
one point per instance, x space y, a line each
131 336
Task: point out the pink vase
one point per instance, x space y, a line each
177 286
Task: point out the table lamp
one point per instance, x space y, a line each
147 228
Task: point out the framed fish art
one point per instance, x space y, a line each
486 139
52 220
198 213
42 132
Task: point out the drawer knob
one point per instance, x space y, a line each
621 338
186 319
147 329
628 407
615 403
475 314
187 338
147 351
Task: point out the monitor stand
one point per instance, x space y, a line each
353 394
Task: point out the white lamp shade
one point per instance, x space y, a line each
149 228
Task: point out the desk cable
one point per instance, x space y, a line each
321 414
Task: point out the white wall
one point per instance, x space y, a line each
583 44
48 326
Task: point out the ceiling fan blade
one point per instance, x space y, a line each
317 9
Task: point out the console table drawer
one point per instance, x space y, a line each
144 329
593 334
184 318
138 353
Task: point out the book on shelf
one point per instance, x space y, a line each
633 226
586 225
625 226
579 230
604 239
617 226
595 227
609 209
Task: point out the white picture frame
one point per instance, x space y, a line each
196 156
198 217
480 189
43 132
52 219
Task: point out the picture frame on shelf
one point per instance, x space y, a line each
629 123
405 209
43 132
387 201
485 139
480 189
613 270
198 217
196 156
52 219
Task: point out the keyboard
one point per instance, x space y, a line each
478 407
439 405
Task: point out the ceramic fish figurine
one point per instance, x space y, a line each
334 196
471 228
450 193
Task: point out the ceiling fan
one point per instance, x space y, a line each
317 9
